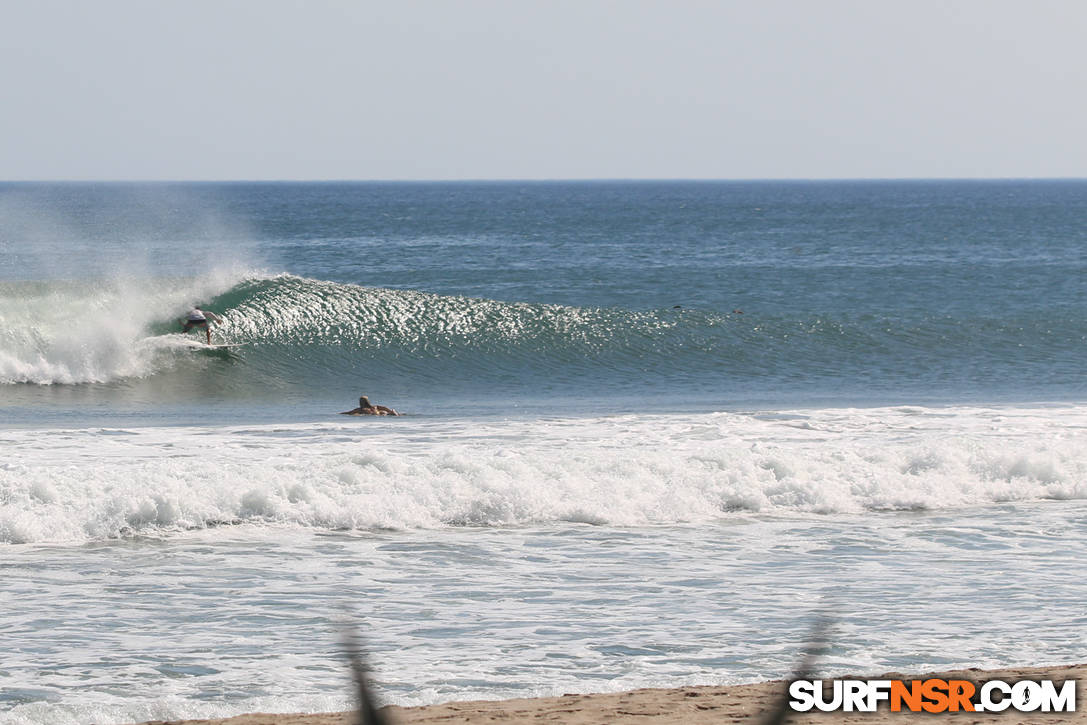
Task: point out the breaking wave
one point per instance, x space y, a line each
299 331
95 484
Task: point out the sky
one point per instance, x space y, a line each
542 89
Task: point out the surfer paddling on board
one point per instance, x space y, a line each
368 408
200 318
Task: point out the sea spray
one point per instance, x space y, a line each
94 331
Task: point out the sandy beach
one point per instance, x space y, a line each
737 703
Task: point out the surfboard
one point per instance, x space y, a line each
227 348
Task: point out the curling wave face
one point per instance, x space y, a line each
313 334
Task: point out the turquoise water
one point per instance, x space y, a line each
652 428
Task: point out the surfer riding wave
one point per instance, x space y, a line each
198 318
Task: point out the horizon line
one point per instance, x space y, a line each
528 180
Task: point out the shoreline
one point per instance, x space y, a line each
696 704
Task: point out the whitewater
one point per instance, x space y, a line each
651 431
91 485
528 556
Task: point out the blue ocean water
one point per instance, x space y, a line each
606 296
650 428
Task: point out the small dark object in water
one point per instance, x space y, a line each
368 408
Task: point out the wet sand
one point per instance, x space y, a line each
731 704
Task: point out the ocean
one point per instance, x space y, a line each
651 432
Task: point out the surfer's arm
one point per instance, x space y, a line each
213 317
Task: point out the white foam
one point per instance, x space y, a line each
85 485
94 331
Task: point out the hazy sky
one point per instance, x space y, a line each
482 89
